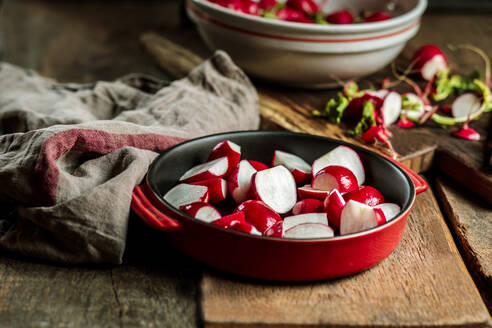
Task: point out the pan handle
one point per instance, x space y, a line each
142 206
420 184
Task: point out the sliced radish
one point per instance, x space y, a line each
184 193
390 210
296 165
429 60
391 108
309 230
333 206
377 17
291 221
259 166
258 214
308 205
358 216
201 211
225 221
209 170
217 189
240 181
378 93
276 187
308 192
228 149
465 105
244 227
418 111
342 156
365 194
335 177
276 230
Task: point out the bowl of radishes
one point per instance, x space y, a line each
278 205
293 52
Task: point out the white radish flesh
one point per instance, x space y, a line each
296 165
184 193
309 231
227 149
291 221
465 105
201 211
342 156
213 169
276 187
378 93
390 210
217 189
391 108
437 64
357 217
240 181
416 114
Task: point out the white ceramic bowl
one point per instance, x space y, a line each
309 55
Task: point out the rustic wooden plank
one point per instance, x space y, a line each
471 221
423 283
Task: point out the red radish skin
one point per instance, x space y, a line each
430 60
307 192
276 187
391 108
244 227
258 214
309 231
259 166
292 221
308 205
250 7
333 206
227 149
201 211
340 17
342 156
209 170
365 194
291 15
380 216
357 217
267 4
217 189
335 177
390 210
240 181
377 134
377 17
225 221
308 7
446 109
277 230
296 165
184 193
404 124
467 133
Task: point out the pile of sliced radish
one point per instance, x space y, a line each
290 199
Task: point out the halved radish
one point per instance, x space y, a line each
276 187
296 165
184 193
291 221
365 194
228 149
429 60
333 206
240 181
390 210
418 108
209 170
342 156
358 216
259 166
201 211
258 214
335 177
307 192
309 231
244 227
465 105
217 189
308 205
276 230
391 108
225 221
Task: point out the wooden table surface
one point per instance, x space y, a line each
158 287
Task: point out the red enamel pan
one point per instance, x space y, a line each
273 258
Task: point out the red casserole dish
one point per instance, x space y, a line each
274 258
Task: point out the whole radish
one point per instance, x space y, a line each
291 15
429 60
308 7
340 17
377 17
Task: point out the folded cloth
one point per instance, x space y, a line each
70 155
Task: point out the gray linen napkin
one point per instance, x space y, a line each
70 155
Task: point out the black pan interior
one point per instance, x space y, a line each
260 145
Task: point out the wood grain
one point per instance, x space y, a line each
471 221
423 283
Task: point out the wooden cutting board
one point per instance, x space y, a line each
291 109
